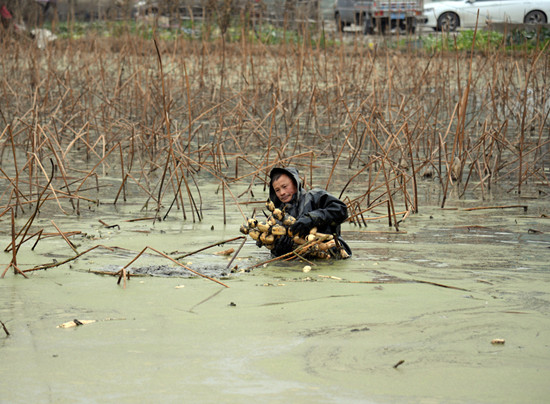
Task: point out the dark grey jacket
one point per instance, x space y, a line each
327 211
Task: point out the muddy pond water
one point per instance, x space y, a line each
411 317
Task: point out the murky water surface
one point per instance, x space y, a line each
410 318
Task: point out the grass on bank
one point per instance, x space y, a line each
486 40
265 33
270 34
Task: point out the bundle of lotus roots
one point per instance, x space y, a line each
314 245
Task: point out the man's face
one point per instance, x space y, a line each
284 188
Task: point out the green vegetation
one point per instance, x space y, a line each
487 40
266 33
109 29
270 34
531 38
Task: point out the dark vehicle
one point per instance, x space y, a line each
379 15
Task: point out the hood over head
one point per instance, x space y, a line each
294 176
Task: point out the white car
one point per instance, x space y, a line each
449 15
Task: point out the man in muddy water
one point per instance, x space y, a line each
314 208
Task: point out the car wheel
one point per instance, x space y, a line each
447 22
535 17
339 23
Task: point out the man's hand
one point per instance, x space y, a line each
302 226
283 245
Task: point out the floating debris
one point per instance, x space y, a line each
398 363
4 328
215 270
229 251
75 323
330 277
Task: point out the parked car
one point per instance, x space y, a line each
452 14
